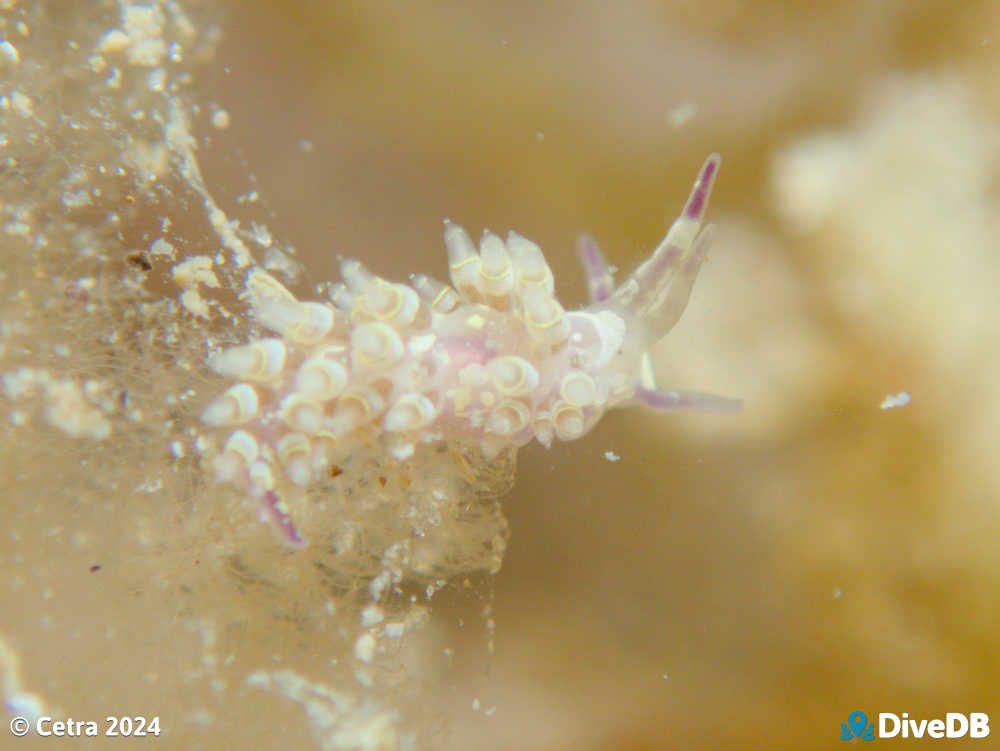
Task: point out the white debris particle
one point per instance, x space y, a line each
19 383
681 114
611 456
475 705
201 717
837 593
261 234
76 199
340 722
151 158
144 28
21 103
371 615
150 486
665 677
306 146
395 630
157 79
489 712
895 400
9 52
194 271
114 40
182 144
97 63
147 52
194 303
17 228
161 248
67 410
220 119
177 449
277 259
364 648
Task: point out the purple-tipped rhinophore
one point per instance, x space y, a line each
697 203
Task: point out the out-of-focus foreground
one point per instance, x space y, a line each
670 581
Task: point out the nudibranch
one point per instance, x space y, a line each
492 360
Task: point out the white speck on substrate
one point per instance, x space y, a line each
681 114
156 79
895 400
611 456
261 234
364 648
371 615
114 40
220 119
150 486
21 103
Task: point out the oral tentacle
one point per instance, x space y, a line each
664 313
672 401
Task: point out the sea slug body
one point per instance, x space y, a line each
492 360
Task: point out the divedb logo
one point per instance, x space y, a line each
954 725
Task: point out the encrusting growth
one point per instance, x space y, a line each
491 361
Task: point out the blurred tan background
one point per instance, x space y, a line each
731 581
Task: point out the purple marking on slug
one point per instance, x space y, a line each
697 202
667 401
280 521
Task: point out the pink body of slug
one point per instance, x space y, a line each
492 360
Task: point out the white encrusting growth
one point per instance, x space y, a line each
492 360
